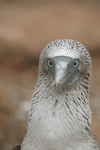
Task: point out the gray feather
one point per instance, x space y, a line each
60 114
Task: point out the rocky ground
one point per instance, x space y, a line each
24 31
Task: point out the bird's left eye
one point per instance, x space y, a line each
50 63
75 63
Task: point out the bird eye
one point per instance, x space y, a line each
75 64
50 63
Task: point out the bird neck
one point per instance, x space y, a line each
75 99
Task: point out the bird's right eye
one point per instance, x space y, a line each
49 63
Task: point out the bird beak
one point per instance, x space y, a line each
61 73
57 86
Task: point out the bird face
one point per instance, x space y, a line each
63 69
63 63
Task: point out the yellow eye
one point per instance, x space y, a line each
75 64
49 63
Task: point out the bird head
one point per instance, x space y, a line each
65 62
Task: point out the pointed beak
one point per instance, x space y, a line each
61 73
57 85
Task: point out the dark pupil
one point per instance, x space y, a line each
50 63
75 63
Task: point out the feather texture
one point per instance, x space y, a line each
59 119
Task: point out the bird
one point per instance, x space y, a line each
60 113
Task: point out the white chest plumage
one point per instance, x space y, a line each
61 122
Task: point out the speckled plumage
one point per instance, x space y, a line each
59 119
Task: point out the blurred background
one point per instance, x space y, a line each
26 26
